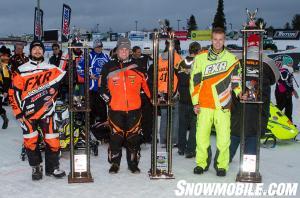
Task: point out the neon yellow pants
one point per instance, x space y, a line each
221 120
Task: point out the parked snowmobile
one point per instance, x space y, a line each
279 127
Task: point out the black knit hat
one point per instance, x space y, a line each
36 43
5 50
194 47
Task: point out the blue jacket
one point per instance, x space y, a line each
96 63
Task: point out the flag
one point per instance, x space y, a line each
65 24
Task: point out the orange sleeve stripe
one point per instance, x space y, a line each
225 97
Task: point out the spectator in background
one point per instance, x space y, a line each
18 58
162 89
56 57
187 117
143 61
4 82
96 61
285 90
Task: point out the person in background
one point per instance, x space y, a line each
143 61
18 58
4 82
162 91
187 117
96 61
56 57
270 76
285 91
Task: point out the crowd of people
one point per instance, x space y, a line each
207 92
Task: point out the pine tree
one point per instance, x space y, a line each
270 30
261 21
296 22
191 24
219 20
287 26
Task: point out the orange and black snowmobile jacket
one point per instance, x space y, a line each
121 83
163 66
34 90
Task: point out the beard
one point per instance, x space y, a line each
38 59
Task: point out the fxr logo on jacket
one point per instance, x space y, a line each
215 68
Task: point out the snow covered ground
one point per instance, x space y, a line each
279 164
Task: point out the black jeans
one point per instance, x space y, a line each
98 108
2 110
147 118
250 145
187 121
285 101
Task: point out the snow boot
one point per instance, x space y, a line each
37 172
114 168
134 168
5 121
221 172
57 173
198 170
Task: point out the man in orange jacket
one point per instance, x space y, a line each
35 86
121 83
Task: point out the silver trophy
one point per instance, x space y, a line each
163 27
251 18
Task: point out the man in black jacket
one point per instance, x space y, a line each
187 117
143 61
270 76
56 57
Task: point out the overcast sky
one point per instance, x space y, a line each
16 16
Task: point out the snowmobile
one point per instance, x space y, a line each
279 127
63 126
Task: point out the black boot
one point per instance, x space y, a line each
198 170
133 158
133 167
190 154
5 121
114 168
221 172
37 172
57 173
180 152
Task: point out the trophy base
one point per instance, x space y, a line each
250 177
161 175
80 177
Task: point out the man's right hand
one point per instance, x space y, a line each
196 109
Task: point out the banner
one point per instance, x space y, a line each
181 35
201 35
286 35
65 23
38 24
